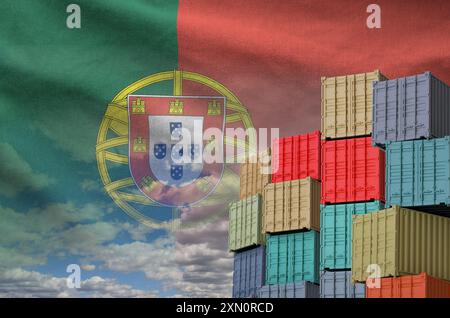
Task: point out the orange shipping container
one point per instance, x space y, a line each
411 286
291 205
252 176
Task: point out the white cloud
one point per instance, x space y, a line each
193 263
16 174
27 238
196 263
86 238
137 231
88 267
156 259
17 282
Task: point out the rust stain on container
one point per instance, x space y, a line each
346 105
291 205
400 241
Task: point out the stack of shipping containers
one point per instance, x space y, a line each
367 197
291 218
408 243
245 236
352 176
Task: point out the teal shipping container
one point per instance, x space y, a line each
292 258
418 173
336 232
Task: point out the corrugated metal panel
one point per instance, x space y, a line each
292 258
336 232
292 205
410 107
418 172
252 178
440 101
352 170
401 242
249 271
245 223
347 105
294 290
339 285
411 286
296 157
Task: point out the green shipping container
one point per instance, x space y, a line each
399 241
336 232
292 258
245 223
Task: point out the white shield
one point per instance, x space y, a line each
176 148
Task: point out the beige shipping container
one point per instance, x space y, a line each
399 241
252 176
291 205
346 105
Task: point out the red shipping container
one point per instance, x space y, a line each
352 171
411 286
296 157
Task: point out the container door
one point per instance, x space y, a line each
328 107
415 107
351 105
297 144
277 151
327 235
293 215
346 237
272 262
392 110
342 170
287 157
296 260
362 101
269 207
422 107
436 171
341 107
419 169
407 174
244 275
401 100
329 183
287 212
252 271
380 112
281 193
285 259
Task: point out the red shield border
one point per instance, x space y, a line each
140 108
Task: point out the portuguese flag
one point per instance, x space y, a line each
56 81
65 69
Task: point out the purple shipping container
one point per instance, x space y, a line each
248 274
293 290
338 284
411 107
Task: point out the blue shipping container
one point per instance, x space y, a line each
339 285
292 257
409 108
293 290
418 173
248 274
336 232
